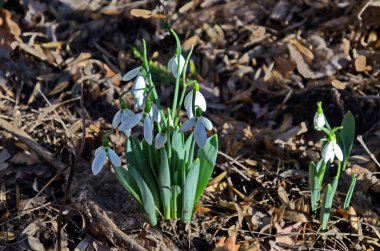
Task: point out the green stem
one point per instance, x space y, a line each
176 90
184 85
151 85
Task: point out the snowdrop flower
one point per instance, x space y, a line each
201 124
319 118
119 117
160 140
200 101
332 149
173 64
100 159
138 92
149 115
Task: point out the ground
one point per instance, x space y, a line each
262 66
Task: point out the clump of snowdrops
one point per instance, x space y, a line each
169 168
337 145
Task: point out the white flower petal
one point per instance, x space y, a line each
173 65
319 121
98 150
338 151
131 74
138 87
127 132
148 130
188 100
207 123
156 113
130 122
160 140
200 134
116 119
99 161
114 158
328 152
187 125
200 101
139 102
170 64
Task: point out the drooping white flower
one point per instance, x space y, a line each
200 102
131 121
138 92
160 140
319 121
319 118
147 118
330 150
201 124
173 64
100 159
121 116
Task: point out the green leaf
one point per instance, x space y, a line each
189 191
314 187
176 190
350 192
128 183
207 156
147 197
326 207
347 135
165 185
136 161
178 151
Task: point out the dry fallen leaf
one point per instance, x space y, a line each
288 235
360 63
35 244
146 14
9 30
338 85
6 236
228 244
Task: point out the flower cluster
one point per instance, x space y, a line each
147 112
330 149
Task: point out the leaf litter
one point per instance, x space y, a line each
265 64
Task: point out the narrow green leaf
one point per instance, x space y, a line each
207 156
176 190
147 197
350 192
128 183
135 157
347 135
189 192
178 151
314 187
326 207
165 185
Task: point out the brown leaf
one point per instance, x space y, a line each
35 244
6 236
228 244
146 14
9 30
286 235
338 85
360 63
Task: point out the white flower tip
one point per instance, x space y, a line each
131 74
160 140
114 158
99 161
200 134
